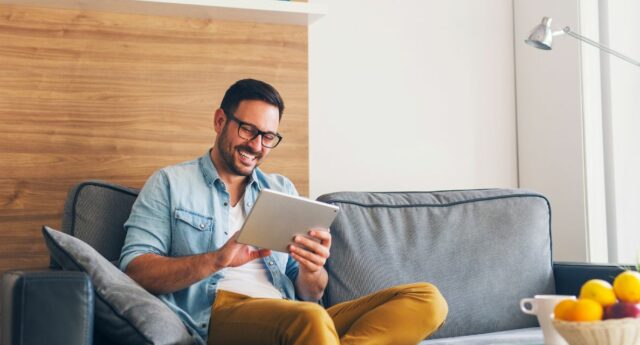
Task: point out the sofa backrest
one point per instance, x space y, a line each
484 250
95 212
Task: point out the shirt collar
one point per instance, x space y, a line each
210 173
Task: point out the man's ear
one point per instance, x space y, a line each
219 119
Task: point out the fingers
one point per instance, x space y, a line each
308 252
319 241
304 263
234 254
261 253
308 255
311 247
322 234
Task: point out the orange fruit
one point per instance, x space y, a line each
564 310
586 310
600 291
627 286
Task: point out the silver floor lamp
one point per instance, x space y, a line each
542 38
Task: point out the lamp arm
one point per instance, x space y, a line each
567 30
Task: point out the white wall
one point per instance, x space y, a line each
412 95
578 125
550 123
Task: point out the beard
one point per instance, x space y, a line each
228 153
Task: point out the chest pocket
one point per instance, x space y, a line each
193 233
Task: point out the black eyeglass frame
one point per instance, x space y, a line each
251 128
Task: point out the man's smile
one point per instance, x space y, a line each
246 157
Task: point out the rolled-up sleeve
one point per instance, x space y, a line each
148 228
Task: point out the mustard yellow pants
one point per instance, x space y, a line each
400 315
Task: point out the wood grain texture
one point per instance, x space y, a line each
96 95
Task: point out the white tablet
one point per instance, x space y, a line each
277 217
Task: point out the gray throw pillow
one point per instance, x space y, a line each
125 313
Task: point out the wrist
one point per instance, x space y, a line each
213 263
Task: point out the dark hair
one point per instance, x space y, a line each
251 89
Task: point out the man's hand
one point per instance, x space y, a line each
161 275
234 254
309 253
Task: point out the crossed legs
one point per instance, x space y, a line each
403 314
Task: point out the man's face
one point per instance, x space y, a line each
240 156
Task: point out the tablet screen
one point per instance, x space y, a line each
277 217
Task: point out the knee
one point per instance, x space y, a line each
430 303
311 324
313 316
312 312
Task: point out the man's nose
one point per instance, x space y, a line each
256 143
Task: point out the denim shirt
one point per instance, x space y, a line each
184 210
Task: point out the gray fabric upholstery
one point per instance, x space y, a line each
523 336
45 307
484 249
125 312
95 212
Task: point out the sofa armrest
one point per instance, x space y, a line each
47 307
570 276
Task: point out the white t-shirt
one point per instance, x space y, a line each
252 278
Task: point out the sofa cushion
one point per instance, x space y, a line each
484 249
524 336
95 212
125 312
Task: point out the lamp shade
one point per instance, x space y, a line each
541 36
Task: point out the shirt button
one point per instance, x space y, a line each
226 204
201 226
203 325
271 263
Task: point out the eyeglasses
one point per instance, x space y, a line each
249 132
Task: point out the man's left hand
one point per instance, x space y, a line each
311 253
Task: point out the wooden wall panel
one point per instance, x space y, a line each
93 95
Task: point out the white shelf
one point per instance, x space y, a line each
262 11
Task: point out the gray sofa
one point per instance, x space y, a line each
485 250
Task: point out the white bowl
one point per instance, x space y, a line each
608 332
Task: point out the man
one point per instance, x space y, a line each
181 246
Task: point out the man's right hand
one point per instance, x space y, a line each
161 274
234 254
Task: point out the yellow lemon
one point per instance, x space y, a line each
564 310
627 286
600 291
586 310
